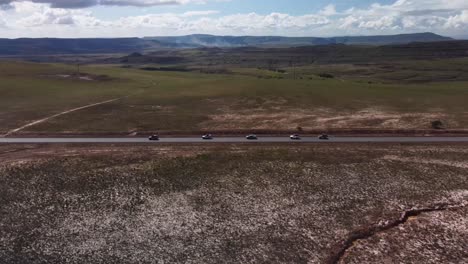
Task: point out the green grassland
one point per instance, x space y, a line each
230 204
437 70
241 98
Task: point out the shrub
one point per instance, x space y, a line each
326 75
437 124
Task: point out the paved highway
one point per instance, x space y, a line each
237 140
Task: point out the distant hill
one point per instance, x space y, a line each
272 41
303 55
27 46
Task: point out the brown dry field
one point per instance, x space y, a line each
233 203
323 118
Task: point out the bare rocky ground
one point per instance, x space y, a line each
436 237
234 204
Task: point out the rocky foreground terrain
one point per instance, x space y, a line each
234 204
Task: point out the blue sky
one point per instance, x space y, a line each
138 18
296 7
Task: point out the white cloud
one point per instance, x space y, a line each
385 22
88 3
458 21
26 15
28 19
200 13
251 23
444 17
329 10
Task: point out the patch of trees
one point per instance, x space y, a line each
437 124
326 75
169 69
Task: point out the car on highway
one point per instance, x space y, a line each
207 137
295 137
153 137
251 137
324 137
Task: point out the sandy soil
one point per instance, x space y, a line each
325 119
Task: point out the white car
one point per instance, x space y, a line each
295 137
207 137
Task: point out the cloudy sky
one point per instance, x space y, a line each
138 18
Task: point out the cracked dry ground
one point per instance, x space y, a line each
232 204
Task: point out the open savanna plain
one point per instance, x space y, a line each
232 97
340 203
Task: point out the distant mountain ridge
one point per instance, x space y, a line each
252 57
30 46
278 41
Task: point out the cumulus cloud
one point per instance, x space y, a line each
57 3
251 23
329 10
458 21
407 16
27 15
200 13
89 3
44 18
2 22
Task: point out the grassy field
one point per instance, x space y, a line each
230 204
403 72
242 98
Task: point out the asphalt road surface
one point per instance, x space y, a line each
237 140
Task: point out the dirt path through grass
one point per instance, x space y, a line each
57 115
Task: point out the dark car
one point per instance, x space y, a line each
153 137
251 137
207 137
324 137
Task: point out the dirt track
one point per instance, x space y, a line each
11 132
